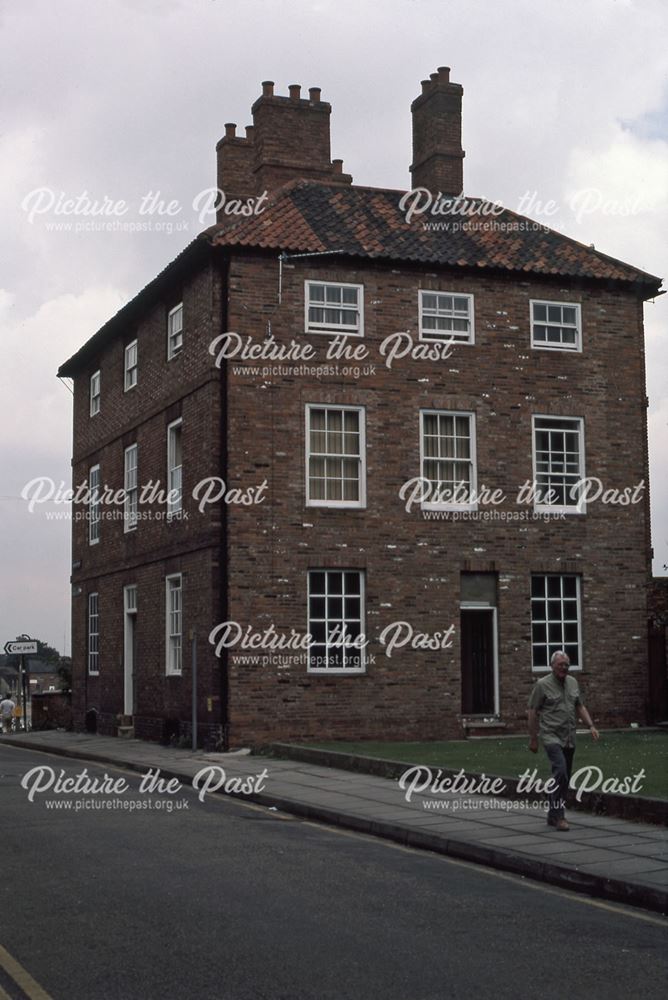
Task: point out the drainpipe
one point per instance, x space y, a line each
223 570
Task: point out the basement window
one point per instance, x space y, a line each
174 331
446 316
334 308
335 466
556 326
95 393
555 619
336 621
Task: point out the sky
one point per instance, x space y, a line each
123 99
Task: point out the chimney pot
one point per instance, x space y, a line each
295 91
426 84
314 94
337 166
267 88
443 74
433 77
249 131
230 130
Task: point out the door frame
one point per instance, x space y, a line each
483 606
129 650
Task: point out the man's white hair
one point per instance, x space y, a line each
558 652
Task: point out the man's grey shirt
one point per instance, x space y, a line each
556 705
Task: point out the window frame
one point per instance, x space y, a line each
95 393
94 518
581 506
430 411
359 504
340 671
174 508
130 606
169 590
90 653
173 352
578 597
428 336
129 369
575 348
328 329
131 498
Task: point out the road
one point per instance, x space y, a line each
225 901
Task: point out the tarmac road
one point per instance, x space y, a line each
225 901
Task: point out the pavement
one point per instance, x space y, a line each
609 858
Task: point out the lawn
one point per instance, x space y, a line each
617 754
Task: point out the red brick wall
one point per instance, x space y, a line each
51 709
189 387
413 566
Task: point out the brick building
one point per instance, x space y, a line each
317 354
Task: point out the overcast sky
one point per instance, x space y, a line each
125 97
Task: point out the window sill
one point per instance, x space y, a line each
460 509
548 670
335 332
571 349
334 505
424 338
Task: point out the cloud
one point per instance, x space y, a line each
36 440
616 192
132 98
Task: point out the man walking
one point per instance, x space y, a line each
555 700
6 712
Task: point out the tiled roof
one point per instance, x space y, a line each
311 217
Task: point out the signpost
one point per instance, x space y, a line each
21 647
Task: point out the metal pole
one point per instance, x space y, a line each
23 689
193 636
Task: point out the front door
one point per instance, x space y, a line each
478 661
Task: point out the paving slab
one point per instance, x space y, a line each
605 857
659 877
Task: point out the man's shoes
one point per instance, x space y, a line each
558 824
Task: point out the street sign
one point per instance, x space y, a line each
20 647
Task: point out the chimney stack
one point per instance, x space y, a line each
437 135
289 139
235 164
